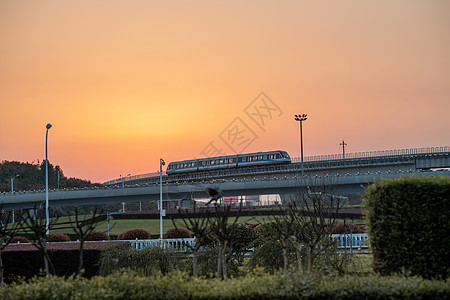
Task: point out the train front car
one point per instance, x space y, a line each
263 158
230 161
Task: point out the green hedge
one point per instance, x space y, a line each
182 286
30 263
409 224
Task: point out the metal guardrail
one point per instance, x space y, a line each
373 154
131 178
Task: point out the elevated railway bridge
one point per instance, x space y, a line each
345 176
361 163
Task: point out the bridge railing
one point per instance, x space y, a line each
371 154
119 181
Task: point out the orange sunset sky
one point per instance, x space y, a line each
125 83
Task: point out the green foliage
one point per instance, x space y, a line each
408 220
268 250
145 262
256 286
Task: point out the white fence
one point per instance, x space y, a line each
351 241
176 244
343 241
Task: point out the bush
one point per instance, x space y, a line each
29 263
144 262
132 234
96 236
57 237
177 233
19 239
408 224
291 286
347 228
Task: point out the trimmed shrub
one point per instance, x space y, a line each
29 263
19 239
96 236
57 237
347 228
292 286
132 234
408 221
177 233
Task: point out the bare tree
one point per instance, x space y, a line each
82 229
36 223
224 233
306 220
315 214
7 231
197 223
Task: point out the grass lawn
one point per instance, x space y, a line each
152 225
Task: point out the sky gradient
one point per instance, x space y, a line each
125 83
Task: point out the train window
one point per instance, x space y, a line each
221 161
260 157
278 156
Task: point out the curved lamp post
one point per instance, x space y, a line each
46 179
161 210
301 118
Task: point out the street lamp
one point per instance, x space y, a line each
46 179
162 212
301 118
123 179
12 192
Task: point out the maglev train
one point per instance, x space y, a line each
229 161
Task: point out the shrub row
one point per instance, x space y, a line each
408 220
29 263
182 286
95 235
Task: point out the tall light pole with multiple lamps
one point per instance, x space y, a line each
162 212
46 180
301 118
12 192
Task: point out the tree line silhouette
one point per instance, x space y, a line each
32 177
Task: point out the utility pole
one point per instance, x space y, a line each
343 144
